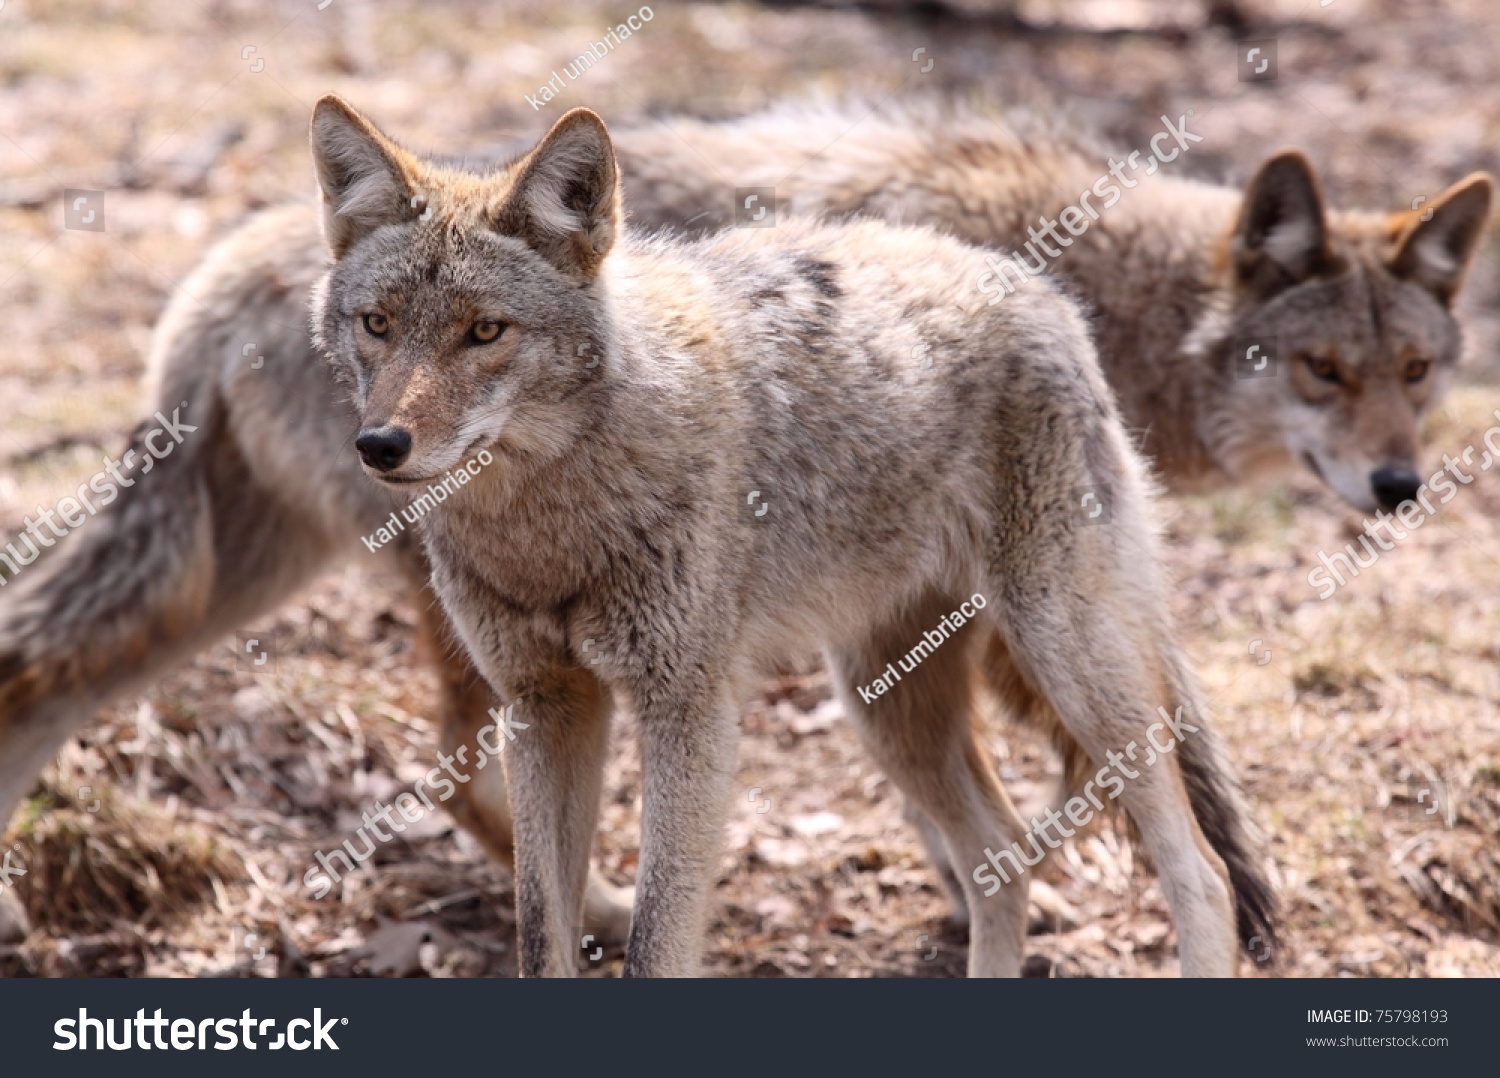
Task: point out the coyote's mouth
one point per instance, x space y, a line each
471 451
400 481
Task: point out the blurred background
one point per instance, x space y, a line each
207 798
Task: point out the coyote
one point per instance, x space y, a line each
708 456
1244 334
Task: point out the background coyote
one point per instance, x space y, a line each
1346 316
760 364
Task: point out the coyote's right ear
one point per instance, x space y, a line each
1437 242
1282 236
565 201
365 177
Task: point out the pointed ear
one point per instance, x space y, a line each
1282 235
1436 252
565 202
366 179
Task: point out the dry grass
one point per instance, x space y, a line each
216 789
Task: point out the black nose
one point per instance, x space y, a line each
1394 485
383 448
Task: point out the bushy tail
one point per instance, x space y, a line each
190 550
1214 792
84 620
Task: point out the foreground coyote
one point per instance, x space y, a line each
704 457
236 520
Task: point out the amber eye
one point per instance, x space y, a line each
1416 369
1322 367
485 332
376 324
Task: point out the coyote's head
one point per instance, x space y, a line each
463 310
1333 334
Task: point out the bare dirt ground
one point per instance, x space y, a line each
1365 726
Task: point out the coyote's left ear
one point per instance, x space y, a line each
1282 235
1437 240
565 202
366 178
